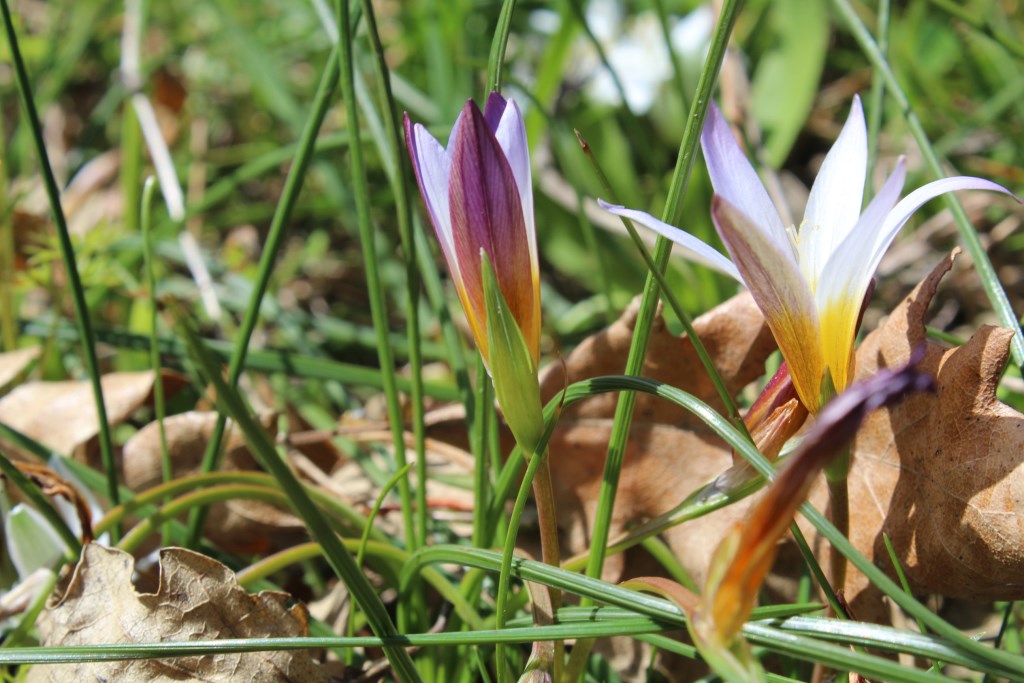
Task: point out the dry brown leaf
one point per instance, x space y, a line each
941 474
670 451
14 365
62 415
198 599
238 525
52 484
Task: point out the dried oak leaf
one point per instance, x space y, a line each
239 526
670 451
198 599
941 474
62 415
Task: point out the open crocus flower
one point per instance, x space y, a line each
479 195
810 280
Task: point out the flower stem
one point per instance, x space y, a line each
505 573
839 510
547 519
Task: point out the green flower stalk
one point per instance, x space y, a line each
479 194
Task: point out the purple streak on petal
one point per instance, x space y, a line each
432 165
837 423
833 206
839 420
774 280
704 252
776 393
488 215
511 136
494 109
736 180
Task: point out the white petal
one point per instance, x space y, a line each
849 269
898 217
833 206
736 181
511 135
848 273
697 249
433 170
845 280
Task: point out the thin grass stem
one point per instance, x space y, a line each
403 202
648 306
989 279
67 253
319 528
159 400
282 213
499 43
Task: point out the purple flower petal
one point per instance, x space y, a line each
494 109
511 135
487 215
432 165
736 180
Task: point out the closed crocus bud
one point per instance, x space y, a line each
479 195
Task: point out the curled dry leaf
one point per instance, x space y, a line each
942 474
14 365
670 451
243 526
62 415
198 599
52 484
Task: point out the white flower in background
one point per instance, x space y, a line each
635 50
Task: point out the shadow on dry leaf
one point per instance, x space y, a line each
670 451
198 599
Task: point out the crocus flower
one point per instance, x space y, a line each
479 195
810 280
